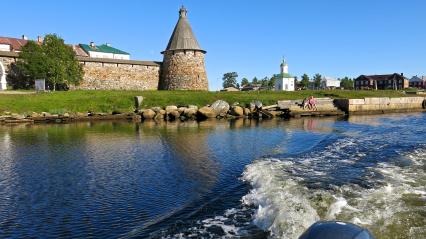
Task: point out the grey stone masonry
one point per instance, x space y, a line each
111 76
184 70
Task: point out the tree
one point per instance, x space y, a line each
230 79
305 81
30 66
244 82
264 81
53 61
317 80
347 83
254 81
273 79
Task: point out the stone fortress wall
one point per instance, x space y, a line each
103 74
109 74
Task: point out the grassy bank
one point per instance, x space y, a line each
108 101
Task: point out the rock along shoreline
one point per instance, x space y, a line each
223 110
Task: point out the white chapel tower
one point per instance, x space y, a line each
284 67
285 82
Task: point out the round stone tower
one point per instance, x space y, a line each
183 63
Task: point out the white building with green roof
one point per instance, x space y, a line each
286 81
104 51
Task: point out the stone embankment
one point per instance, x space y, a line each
381 105
221 109
44 117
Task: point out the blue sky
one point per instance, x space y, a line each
334 38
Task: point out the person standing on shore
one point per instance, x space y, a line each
312 103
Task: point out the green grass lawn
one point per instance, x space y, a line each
108 101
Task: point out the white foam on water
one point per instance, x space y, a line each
336 207
223 226
219 221
285 207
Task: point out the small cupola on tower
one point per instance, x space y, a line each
284 66
183 60
182 12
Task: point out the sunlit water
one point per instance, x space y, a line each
214 179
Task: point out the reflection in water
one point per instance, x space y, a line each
119 178
171 179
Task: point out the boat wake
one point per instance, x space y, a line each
391 205
372 176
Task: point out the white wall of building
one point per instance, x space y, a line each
4 47
328 82
285 84
284 68
122 56
96 54
3 83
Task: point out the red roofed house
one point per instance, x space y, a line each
12 44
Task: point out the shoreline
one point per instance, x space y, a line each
220 109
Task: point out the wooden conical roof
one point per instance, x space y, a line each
183 38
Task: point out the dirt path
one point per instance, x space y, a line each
13 92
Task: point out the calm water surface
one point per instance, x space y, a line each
214 179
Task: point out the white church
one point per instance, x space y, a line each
286 81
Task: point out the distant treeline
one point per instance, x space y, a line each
230 79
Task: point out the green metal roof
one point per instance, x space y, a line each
103 48
286 75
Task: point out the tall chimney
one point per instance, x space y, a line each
24 37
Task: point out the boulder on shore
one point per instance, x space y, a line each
220 107
18 116
237 111
148 114
247 111
159 116
255 105
156 109
182 109
174 114
193 107
171 108
207 112
45 114
34 115
190 113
